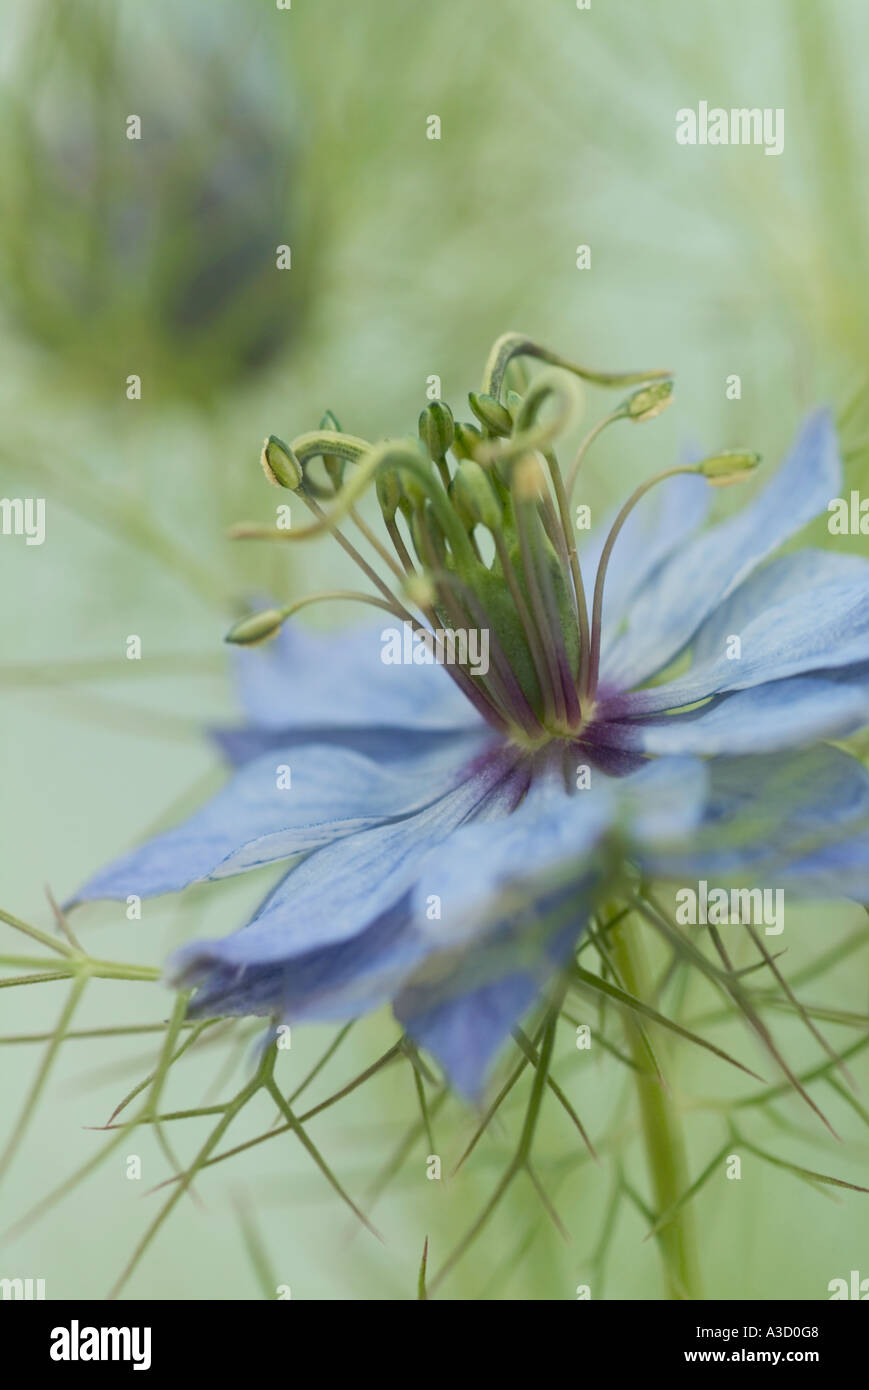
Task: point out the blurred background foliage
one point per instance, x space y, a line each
409 256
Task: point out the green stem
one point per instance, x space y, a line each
662 1130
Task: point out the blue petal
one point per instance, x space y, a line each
467 1031
836 870
701 575
244 743
487 863
514 899
350 927
464 1014
786 576
765 719
253 821
337 981
664 800
795 636
491 869
780 820
308 680
337 892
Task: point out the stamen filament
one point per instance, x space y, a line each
511 345
565 691
350 549
562 498
376 544
525 509
401 549
548 385
589 439
494 692
391 454
345 595
529 627
518 707
597 608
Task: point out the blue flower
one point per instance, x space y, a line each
448 834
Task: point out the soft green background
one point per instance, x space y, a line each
409 257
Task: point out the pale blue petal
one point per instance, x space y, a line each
254 821
489 865
245 742
341 889
781 820
514 898
702 574
786 576
765 719
664 800
800 634
339 981
309 680
836 870
463 1014
465 1032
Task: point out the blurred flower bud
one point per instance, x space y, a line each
142 225
436 429
280 464
256 628
494 416
514 403
730 466
389 491
649 401
468 439
334 465
474 497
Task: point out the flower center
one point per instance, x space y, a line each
482 541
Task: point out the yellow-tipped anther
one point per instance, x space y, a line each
280 464
649 401
730 466
256 628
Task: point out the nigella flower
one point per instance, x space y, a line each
450 830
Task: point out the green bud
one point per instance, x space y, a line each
474 498
730 466
280 464
649 401
436 429
514 403
256 627
333 464
468 439
413 492
389 493
494 416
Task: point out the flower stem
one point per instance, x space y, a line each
662 1130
